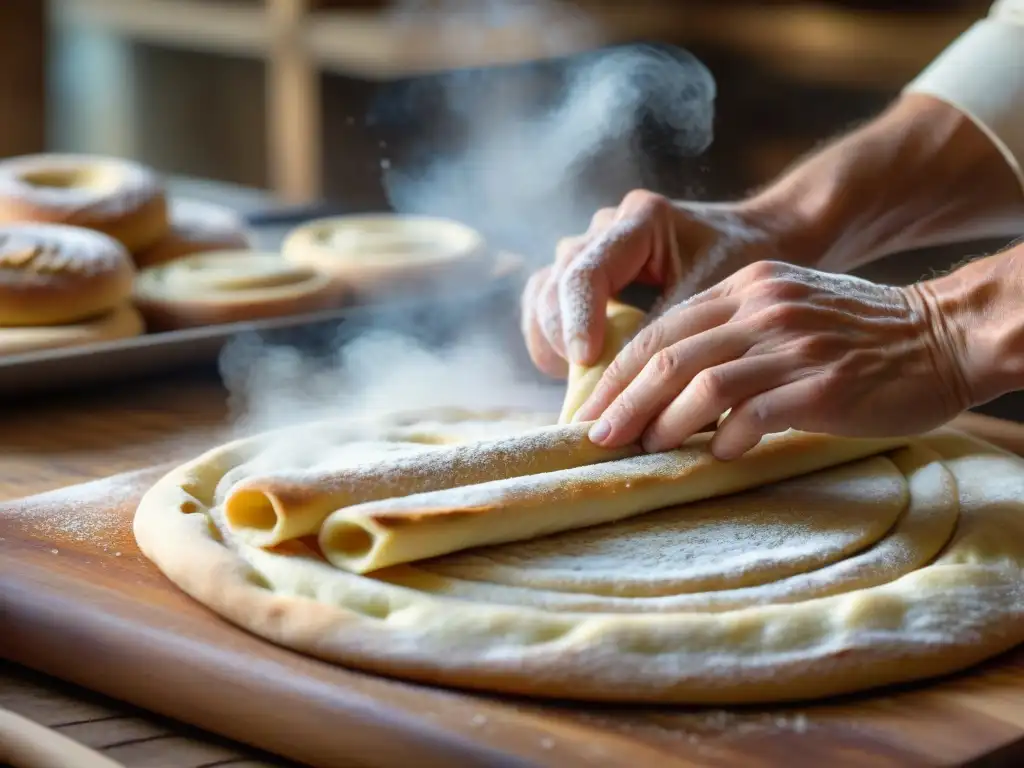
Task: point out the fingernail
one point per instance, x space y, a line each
577 350
600 431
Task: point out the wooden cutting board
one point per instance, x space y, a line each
78 601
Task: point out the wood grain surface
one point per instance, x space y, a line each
80 604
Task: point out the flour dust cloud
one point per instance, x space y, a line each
510 150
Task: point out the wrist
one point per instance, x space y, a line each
975 318
920 174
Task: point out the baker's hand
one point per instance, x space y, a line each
679 247
783 347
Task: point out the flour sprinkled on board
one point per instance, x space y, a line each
97 514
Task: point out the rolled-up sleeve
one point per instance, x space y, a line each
982 74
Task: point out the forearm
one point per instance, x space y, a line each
944 163
920 174
976 316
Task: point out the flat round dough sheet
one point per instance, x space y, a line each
734 541
891 568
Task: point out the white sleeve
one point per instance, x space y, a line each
982 75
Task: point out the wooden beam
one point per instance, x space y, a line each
213 26
293 105
22 77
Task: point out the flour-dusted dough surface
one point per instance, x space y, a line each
366 537
646 609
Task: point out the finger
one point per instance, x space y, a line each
529 298
550 315
602 220
610 262
663 378
678 325
711 393
567 249
772 411
543 356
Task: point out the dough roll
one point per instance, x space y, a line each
623 323
369 536
270 509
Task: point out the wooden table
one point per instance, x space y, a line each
53 443
56 442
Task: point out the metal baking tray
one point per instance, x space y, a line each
80 367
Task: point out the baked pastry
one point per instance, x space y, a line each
116 197
123 322
227 287
196 227
52 274
380 254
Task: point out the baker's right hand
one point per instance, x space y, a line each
681 248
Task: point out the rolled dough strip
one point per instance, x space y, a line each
26 744
370 536
623 323
267 510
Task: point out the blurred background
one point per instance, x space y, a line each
286 95
272 93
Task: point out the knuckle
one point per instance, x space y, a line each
646 344
644 200
536 281
760 413
710 386
567 248
665 364
779 289
623 410
850 366
827 382
814 348
760 270
780 316
616 370
602 218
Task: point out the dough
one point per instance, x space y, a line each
369 255
531 563
368 536
622 324
121 323
196 227
271 508
52 274
725 600
227 287
117 197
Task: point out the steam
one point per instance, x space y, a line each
526 155
377 373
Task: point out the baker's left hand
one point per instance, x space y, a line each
783 347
